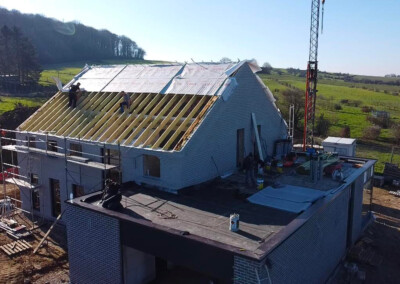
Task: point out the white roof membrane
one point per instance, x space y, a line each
192 79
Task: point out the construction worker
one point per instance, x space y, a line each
248 165
126 101
73 95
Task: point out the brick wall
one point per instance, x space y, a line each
94 247
247 271
307 256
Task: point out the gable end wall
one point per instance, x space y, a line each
211 151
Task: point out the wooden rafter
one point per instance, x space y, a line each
84 113
149 128
181 127
41 111
132 121
96 122
86 117
136 106
195 123
152 120
106 124
66 116
174 122
163 123
144 122
51 114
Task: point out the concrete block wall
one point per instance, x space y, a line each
94 247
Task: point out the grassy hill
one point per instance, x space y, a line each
351 97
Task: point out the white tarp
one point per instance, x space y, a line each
288 197
200 79
193 78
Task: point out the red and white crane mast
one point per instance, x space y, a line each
312 72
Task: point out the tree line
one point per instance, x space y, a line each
58 42
19 66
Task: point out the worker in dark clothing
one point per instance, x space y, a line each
126 101
73 95
248 165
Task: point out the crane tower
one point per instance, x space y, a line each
311 80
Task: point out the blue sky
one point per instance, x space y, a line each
360 36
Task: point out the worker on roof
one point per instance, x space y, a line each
248 165
73 95
126 101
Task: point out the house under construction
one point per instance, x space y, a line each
187 125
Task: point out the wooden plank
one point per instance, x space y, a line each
174 122
106 112
136 106
165 121
132 122
195 123
201 102
144 121
37 114
48 232
6 250
27 244
152 124
23 245
255 128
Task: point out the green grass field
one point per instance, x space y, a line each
9 103
333 91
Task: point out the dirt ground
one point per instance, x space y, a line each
48 265
376 257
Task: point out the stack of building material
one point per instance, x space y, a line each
16 247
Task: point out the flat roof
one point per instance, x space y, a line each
203 211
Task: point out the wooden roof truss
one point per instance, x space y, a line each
153 121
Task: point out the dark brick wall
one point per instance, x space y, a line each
94 247
307 256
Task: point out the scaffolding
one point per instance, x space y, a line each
11 173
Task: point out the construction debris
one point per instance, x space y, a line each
16 247
13 229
